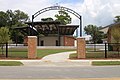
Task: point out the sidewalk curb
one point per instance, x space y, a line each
68 61
70 79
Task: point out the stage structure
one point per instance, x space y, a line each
59 8
51 33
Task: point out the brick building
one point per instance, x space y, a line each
108 30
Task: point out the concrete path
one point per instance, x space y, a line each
58 57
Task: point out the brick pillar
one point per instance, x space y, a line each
32 46
81 49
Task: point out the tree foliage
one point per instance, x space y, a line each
16 18
117 19
96 35
4 35
3 18
12 19
63 17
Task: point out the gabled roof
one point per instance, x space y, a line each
114 24
106 28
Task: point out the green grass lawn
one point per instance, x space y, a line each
94 55
21 53
43 52
10 63
90 54
105 63
17 53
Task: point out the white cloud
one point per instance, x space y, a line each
100 12
29 6
97 12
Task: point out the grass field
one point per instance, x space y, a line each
97 54
10 63
105 63
21 53
43 52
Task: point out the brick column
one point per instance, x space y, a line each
81 49
32 46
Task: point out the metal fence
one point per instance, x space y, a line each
112 51
106 50
13 50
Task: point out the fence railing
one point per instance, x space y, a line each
13 50
106 50
113 50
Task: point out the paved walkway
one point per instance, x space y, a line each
58 57
55 60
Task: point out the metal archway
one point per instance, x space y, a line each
58 8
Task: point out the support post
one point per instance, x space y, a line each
32 25
58 36
80 26
6 50
32 47
81 48
105 50
38 39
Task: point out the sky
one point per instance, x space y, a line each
96 12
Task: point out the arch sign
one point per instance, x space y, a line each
58 8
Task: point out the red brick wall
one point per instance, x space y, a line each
32 46
81 49
69 41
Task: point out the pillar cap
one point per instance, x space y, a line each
81 37
32 36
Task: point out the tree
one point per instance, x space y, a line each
3 18
117 19
4 36
96 35
16 19
11 19
63 17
